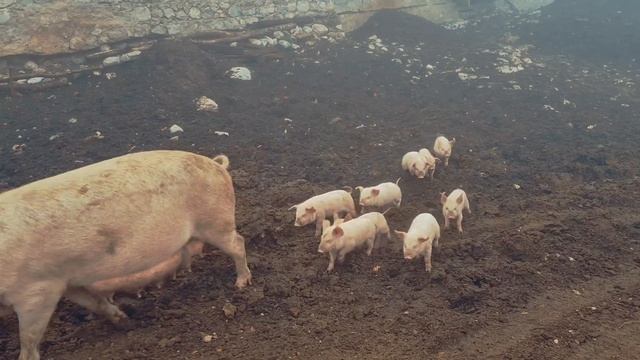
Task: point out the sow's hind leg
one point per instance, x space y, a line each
95 303
232 244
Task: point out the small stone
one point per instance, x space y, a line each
73 121
174 138
159 29
168 13
30 65
5 16
55 136
175 129
284 43
319 29
278 34
240 73
229 310
194 13
18 148
307 29
517 187
206 104
111 60
234 44
294 311
256 42
141 13
35 80
339 27
207 338
110 75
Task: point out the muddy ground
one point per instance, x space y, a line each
547 271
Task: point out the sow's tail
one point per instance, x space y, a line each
223 160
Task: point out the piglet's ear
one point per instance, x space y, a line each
310 210
375 192
443 198
337 231
293 207
338 221
423 239
460 199
400 234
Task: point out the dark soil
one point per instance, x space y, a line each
549 271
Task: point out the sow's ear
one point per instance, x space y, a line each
310 210
460 199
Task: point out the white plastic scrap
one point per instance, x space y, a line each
221 133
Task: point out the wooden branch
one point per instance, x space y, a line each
244 35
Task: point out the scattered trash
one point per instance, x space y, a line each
361 126
221 133
591 127
175 129
18 148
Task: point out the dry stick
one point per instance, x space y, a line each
244 35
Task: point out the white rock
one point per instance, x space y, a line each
221 133
517 187
206 104
175 129
240 73
234 44
35 80
270 41
256 42
278 34
73 121
55 136
110 75
319 29
133 54
207 338
339 27
284 43
111 60
307 29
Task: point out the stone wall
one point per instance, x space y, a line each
60 26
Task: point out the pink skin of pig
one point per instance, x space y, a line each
452 207
442 148
380 196
134 283
415 164
345 236
320 207
430 160
382 227
423 234
117 220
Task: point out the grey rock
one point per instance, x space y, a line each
111 60
168 13
303 6
6 3
159 30
194 13
141 13
156 13
5 16
180 14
